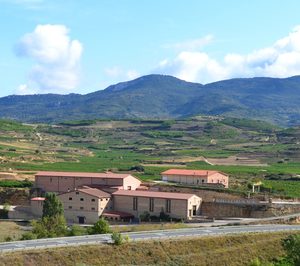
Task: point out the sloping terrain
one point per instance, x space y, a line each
158 96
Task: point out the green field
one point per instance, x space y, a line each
258 151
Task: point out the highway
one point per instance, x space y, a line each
138 236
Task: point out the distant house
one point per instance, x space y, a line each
176 205
195 177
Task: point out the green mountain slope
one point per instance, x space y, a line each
158 96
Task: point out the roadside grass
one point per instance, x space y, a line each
234 250
10 231
148 227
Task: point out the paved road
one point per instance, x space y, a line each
137 236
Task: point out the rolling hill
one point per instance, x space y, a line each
158 96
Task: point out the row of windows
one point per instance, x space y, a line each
81 208
82 199
151 204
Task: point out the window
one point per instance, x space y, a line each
77 193
70 198
151 204
93 208
168 205
81 208
135 203
51 180
81 199
106 199
70 207
93 200
101 199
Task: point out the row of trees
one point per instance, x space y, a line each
53 224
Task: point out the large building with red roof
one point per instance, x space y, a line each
88 196
196 177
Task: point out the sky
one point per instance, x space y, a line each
73 46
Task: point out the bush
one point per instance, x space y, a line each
138 168
164 217
118 239
54 226
4 211
76 230
100 227
28 236
145 216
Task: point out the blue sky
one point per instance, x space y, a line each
83 46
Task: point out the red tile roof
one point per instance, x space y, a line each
38 199
83 174
153 194
187 172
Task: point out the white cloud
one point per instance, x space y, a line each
119 74
57 58
195 44
282 59
23 89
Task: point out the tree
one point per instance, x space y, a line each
52 206
53 223
54 226
100 227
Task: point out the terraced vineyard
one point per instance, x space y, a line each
247 150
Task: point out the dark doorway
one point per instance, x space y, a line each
81 219
194 210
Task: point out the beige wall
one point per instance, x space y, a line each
64 184
179 208
37 207
90 207
197 180
131 183
218 178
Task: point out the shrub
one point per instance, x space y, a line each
76 230
100 227
28 236
119 239
145 216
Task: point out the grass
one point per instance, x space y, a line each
285 188
149 227
16 183
234 250
10 231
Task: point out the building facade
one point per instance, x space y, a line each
176 205
88 196
196 177
85 205
60 182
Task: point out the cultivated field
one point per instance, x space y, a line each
247 150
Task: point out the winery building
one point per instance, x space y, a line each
88 196
196 177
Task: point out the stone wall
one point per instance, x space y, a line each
258 210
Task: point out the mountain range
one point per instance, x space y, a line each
165 97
